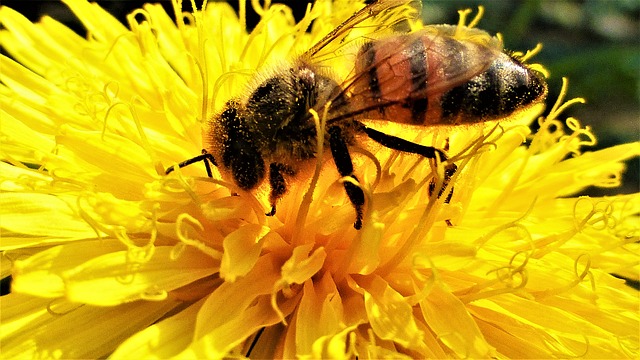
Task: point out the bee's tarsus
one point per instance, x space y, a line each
272 212
358 223
277 183
356 196
449 171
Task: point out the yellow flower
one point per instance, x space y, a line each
109 256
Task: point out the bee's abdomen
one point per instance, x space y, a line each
503 88
427 79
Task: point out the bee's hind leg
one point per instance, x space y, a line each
400 144
277 183
342 158
396 143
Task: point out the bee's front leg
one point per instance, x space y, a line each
342 158
277 183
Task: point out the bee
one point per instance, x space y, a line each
438 76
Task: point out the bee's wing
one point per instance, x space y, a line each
378 17
412 67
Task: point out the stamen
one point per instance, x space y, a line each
477 18
462 21
303 210
181 222
531 53
260 10
375 161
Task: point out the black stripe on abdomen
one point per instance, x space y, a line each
497 92
472 101
368 54
419 68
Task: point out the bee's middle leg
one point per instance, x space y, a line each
342 158
277 183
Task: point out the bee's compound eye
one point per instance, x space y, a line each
240 153
247 167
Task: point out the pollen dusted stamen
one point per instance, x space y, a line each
303 209
462 20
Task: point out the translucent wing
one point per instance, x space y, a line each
376 18
397 78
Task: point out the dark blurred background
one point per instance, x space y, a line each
595 43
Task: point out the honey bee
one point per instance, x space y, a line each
438 76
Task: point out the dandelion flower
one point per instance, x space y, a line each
109 256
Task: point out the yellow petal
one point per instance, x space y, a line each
45 328
125 276
41 274
162 340
236 310
241 250
301 266
449 319
43 215
319 319
391 316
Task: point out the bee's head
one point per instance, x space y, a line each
235 143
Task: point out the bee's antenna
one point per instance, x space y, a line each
204 157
